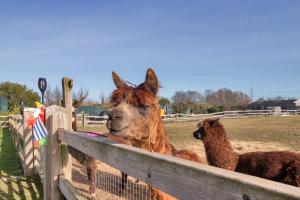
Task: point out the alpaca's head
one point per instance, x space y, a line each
206 128
135 114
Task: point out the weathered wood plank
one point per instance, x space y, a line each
52 160
53 165
17 124
67 85
180 178
69 192
39 170
28 145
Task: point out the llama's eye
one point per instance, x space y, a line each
114 104
143 109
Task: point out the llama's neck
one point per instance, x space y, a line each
219 152
161 142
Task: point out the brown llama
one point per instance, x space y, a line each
135 117
280 166
89 162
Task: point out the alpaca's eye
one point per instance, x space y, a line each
143 109
114 104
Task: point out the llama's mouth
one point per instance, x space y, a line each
116 127
118 132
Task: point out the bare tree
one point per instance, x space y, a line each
80 96
57 96
183 100
179 101
53 97
222 99
48 96
102 98
228 99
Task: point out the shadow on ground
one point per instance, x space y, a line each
12 184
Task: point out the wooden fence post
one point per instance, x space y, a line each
56 156
67 85
83 119
28 150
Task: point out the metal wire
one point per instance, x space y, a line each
109 185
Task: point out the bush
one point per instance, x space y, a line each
214 109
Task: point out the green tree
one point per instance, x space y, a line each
15 93
164 101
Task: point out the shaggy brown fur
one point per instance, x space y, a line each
280 166
136 118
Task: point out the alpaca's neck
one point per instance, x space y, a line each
161 142
219 152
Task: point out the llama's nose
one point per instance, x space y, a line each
117 121
115 114
197 134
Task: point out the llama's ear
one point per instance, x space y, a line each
214 122
151 82
118 81
75 104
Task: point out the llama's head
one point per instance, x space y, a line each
206 127
135 114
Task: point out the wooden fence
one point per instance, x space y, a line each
22 138
88 120
229 114
4 121
180 178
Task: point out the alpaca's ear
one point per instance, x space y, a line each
151 82
118 81
75 104
214 122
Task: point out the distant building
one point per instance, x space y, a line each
95 110
3 104
166 109
290 104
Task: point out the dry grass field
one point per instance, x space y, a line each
245 134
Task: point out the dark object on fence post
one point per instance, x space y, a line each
22 107
42 83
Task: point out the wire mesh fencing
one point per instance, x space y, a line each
113 185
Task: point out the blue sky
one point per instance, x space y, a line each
194 45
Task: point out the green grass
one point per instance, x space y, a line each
282 130
12 184
9 162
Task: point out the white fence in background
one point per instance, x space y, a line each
88 120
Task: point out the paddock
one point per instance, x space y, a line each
179 178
